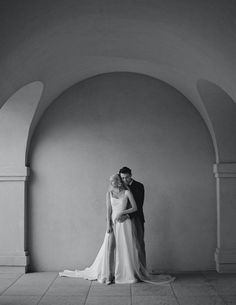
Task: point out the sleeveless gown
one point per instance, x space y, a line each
127 269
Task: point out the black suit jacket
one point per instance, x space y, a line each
137 190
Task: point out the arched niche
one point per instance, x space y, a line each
15 118
88 133
221 109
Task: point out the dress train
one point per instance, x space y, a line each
127 268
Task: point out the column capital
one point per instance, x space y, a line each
224 170
13 173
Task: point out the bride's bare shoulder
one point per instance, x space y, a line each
127 192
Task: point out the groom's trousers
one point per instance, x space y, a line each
138 233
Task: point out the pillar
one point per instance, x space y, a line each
13 254
225 255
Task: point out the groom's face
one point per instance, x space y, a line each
127 178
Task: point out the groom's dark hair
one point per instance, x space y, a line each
125 170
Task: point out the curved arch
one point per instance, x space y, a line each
123 66
15 118
107 38
221 109
91 129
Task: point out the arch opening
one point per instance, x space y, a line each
221 109
92 130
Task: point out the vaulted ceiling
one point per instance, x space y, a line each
189 44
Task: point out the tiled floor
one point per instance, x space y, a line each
47 288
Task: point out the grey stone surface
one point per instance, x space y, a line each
62 300
10 275
154 300
66 281
191 279
201 300
108 300
31 284
46 288
98 289
69 287
224 285
19 300
182 290
229 299
5 283
223 289
144 289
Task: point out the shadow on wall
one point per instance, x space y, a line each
15 119
87 134
221 110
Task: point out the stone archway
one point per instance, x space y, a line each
163 139
15 118
222 112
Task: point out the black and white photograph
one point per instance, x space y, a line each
117 152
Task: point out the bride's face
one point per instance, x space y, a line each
115 183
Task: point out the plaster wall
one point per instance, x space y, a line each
87 134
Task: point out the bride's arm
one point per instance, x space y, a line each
109 211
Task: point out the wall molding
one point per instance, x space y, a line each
9 259
14 173
225 260
224 170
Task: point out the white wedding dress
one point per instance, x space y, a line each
127 268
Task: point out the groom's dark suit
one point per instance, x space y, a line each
137 219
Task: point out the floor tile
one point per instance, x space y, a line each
5 283
144 289
224 286
182 290
66 281
69 287
98 289
201 300
154 300
216 275
190 279
62 300
210 274
19 300
39 276
31 284
108 300
222 280
229 299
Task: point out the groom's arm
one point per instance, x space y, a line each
122 218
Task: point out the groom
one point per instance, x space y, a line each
137 218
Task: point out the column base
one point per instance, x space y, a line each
225 260
15 269
14 263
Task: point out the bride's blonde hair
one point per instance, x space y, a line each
117 182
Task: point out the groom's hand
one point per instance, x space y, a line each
122 218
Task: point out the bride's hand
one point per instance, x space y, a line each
109 229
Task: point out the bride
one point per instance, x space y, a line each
117 260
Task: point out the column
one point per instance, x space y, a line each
13 254
225 255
